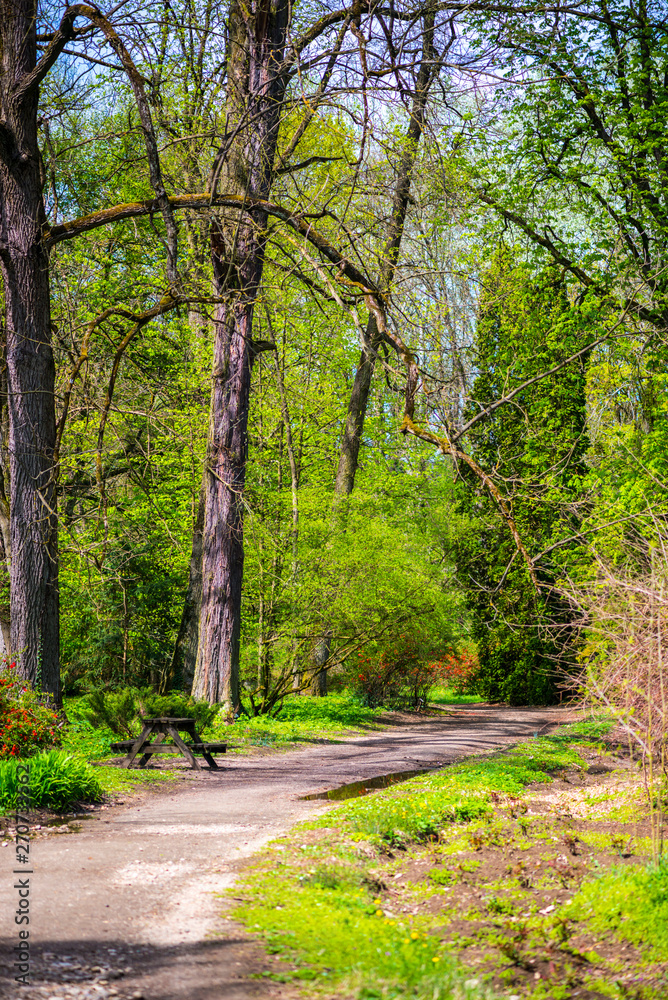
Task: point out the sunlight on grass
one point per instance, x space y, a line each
302 720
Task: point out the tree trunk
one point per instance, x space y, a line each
319 658
245 168
30 366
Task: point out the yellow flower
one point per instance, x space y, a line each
415 936
379 913
436 958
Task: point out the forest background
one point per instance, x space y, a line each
335 346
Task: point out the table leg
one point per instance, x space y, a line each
207 756
137 745
157 738
184 748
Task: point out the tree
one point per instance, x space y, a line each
246 167
25 241
578 166
534 447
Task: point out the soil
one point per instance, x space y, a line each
124 898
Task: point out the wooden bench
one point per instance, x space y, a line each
158 729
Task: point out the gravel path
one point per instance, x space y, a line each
125 906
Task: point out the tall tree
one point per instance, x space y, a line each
25 241
534 447
428 69
33 530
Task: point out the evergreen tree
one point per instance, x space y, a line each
534 446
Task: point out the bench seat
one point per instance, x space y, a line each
124 746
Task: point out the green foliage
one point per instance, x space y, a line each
122 711
534 447
302 720
27 723
629 902
57 780
80 737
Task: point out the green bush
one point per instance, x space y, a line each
57 781
123 711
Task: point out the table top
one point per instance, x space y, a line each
184 723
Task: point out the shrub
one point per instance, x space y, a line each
57 780
123 711
457 670
400 674
27 724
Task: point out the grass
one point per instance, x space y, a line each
478 867
448 696
629 903
82 738
57 781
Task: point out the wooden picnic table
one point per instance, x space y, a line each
157 730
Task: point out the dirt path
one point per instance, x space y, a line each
127 906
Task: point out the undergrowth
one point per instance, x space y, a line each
57 780
629 902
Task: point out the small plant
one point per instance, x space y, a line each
27 724
442 876
500 906
57 780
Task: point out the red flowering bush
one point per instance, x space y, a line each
27 725
401 674
457 670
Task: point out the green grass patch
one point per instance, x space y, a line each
630 902
448 696
120 781
57 781
327 919
80 737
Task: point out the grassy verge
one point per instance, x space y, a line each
518 874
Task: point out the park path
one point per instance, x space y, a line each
126 907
